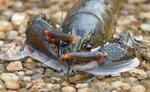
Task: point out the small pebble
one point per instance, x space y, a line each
140 74
28 85
145 27
29 72
39 85
102 85
39 80
14 66
145 15
137 88
40 70
116 75
2 36
68 89
53 86
83 85
9 77
27 78
2 68
21 75
148 73
5 26
12 35
146 83
125 86
83 90
19 19
12 85
116 84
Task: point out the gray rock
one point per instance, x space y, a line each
37 76
40 70
30 65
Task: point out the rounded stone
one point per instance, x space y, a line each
145 27
12 35
2 35
19 19
14 66
68 89
137 88
140 74
83 85
12 85
83 90
9 77
5 26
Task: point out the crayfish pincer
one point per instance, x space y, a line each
40 39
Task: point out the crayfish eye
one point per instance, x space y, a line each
88 47
63 43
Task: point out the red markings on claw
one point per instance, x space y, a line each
49 38
74 39
67 56
101 57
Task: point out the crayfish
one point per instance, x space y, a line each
85 42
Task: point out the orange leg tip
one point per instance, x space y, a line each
66 56
127 48
74 38
46 32
49 38
101 57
